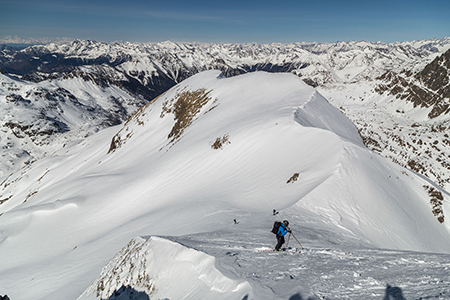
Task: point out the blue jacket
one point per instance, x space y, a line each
282 230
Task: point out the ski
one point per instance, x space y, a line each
289 249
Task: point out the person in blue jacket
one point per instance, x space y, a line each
282 230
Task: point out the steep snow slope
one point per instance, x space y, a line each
210 150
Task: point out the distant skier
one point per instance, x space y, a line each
282 230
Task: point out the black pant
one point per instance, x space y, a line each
280 242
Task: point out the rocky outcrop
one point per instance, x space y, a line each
428 88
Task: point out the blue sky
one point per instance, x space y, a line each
226 21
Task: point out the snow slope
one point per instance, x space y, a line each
210 150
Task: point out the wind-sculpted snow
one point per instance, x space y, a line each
318 113
165 270
249 144
329 266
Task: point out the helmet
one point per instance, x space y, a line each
285 223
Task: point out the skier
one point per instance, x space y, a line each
282 230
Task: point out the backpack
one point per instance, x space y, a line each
276 226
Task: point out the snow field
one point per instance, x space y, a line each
331 265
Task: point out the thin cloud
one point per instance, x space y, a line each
19 40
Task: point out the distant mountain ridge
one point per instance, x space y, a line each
316 63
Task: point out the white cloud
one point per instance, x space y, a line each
19 40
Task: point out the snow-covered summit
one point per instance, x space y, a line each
209 150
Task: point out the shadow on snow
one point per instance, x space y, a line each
128 293
391 293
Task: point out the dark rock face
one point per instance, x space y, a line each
427 88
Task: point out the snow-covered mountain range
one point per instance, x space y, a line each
218 147
128 75
154 63
209 151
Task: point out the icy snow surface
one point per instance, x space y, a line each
215 149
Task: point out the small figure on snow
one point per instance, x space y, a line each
282 230
236 222
274 212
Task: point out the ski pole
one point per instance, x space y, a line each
297 240
287 244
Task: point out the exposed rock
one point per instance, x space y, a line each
427 88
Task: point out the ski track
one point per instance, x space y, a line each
324 271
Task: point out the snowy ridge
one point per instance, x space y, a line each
210 150
163 269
